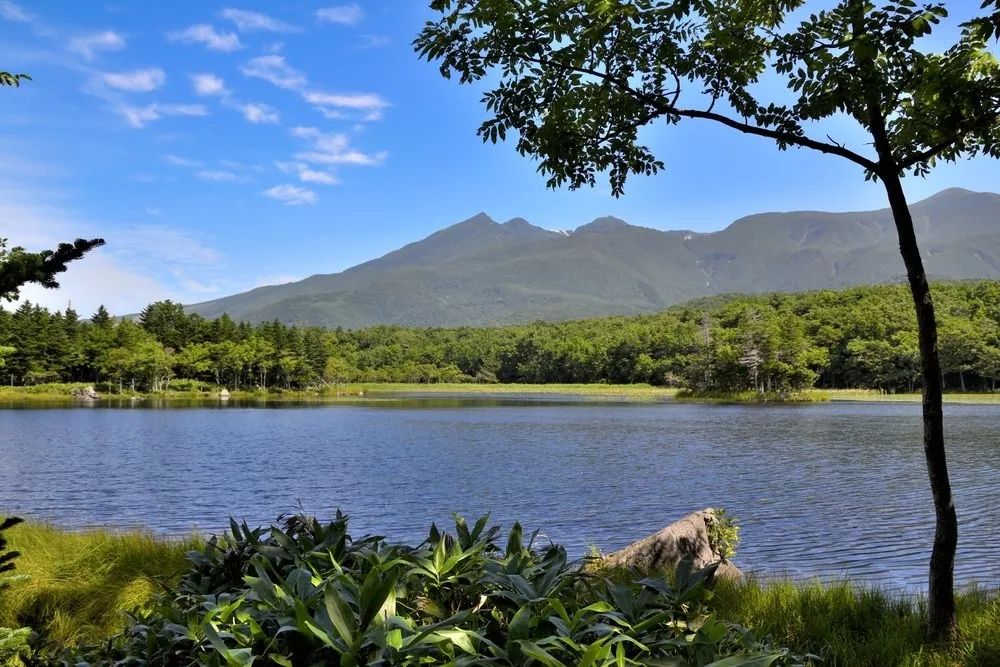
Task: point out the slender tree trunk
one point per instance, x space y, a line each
941 585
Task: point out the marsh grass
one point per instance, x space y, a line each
872 395
73 586
856 626
733 397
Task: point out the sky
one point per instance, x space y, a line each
222 146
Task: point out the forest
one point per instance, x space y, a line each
863 337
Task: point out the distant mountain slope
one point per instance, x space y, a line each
481 272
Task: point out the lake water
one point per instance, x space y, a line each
821 490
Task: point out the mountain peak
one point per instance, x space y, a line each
515 223
481 272
607 223
479 219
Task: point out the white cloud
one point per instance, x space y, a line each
12 12
332 149
343 14
207 84
330 104
291 195
355 101
136 81
247 21
273 69
178 161
220 176
306 174
89 45
140 116
259 113
203 33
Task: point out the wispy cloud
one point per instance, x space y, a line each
140 116
247 21
203 33
330 149
259 113
219 176
91 44
273 69
374 41
208 85
329 104
12 12
291 195
342 14
307 174
179 161
136 81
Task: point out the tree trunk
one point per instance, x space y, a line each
941 585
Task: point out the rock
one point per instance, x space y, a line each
85 394
224 394
665 549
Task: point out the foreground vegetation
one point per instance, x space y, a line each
862 337
460 597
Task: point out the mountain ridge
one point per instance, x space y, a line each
480 271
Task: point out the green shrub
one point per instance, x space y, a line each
308 594
723 533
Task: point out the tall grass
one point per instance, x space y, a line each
855 626
74 586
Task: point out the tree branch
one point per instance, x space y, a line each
666 108
934 150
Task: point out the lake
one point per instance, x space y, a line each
821 490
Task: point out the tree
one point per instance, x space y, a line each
13 80
577 79
19 267
101 317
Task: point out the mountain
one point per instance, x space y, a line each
481 272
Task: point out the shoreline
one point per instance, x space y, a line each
60 395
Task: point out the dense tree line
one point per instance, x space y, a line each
859 337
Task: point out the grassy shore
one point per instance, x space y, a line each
73 587
76 586
62 393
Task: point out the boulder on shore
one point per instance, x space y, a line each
665 549
85 394
224 394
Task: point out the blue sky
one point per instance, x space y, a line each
221 146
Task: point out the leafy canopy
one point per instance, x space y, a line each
14 80
577 79
19 267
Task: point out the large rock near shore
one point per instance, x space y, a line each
665 549
86 394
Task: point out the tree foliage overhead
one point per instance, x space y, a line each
577 79
13 80
19 267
